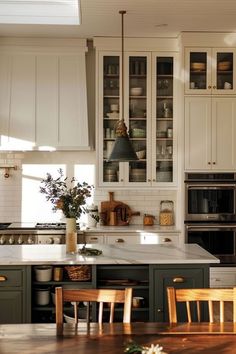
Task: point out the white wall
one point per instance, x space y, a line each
20 199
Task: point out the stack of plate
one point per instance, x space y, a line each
110 175
138 175
164 176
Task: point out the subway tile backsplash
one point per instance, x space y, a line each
20 199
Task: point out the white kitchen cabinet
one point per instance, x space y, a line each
133 238
210 71
210 130
149 111
44 98
222 277
143 238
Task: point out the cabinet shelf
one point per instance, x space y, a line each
137 97
138 76
105 118
138 118
164 75
111 76
111 96
164 119
165 139
123 286
63 282
166 96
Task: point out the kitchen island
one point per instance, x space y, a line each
111 254
148 269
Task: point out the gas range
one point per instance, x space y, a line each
18 233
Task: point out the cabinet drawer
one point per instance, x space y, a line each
222 277
11 277
121 239
94 238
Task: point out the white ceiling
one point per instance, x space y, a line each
144 18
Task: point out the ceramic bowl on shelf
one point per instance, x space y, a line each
141 154
198 66
224 65
136 91
138 133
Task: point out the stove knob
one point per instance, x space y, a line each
2 240
20 240
57 240
30 240
11 240
49 241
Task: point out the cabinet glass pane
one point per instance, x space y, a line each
164 119
111 83
224 71
137 116
198 71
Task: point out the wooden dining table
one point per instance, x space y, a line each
192 338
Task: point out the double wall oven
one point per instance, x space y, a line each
210 213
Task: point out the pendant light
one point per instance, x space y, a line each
122 150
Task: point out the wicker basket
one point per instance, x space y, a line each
79 273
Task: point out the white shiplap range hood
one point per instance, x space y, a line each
43 94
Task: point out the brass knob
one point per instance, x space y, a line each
209 163
214 87
178 280
3 278
122 180
209 87
120 240
154 180
166 239
149 180
214 163
159 310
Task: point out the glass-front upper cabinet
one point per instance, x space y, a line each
109 113
139 118
163 119
210 71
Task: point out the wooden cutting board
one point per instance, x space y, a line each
116 212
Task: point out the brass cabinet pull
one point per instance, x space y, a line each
3 278
93 238
119 240
166 239
178 280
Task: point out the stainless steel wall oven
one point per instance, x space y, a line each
210 213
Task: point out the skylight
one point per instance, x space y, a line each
45 12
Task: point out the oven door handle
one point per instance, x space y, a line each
210 186
210 228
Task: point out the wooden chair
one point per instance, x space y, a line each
193 298
100 296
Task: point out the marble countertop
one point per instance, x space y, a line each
133 229
111 254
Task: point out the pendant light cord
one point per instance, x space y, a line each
122 12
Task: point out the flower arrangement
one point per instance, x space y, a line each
70 197
134 348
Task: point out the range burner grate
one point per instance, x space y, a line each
4 225
57 226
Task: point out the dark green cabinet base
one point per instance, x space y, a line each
15 299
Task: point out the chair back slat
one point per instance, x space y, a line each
99 296
198 296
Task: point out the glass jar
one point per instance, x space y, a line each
166 217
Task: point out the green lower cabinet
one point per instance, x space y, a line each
15 300
186 276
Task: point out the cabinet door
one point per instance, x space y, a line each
109 173
163 113
178 277
223 133
223 71
138 112
198 133
11 306
198 73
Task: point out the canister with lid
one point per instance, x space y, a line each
166 217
